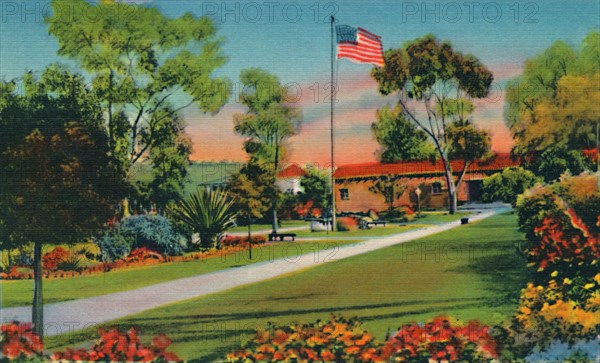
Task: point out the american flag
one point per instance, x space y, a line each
359 45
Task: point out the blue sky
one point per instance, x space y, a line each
292 40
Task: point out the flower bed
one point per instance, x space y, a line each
562 225
138 257
242 241
19 342
336 340
344 340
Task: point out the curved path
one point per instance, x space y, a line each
66 317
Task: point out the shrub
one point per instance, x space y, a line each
565 309
344 224
72 263
116 346
19 341
143 254
208 213
560 222
52 259
336 340
399 215
441 340
508 185
344 340
153 232
232 241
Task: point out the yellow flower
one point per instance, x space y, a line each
597 278
589 286
554 274
567 281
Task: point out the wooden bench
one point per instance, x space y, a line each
376 223
281 236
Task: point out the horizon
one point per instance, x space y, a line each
294 45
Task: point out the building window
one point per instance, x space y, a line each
344 195
436 188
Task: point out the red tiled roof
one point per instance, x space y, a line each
292 171
498 162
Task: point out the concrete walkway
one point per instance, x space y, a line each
66 317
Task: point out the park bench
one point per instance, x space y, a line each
376 223
281 236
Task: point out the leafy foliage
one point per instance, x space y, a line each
316 189
268 122
117 346
507 185
139 60
441 340
553 104
562 223
209 213
399 138
429 73
19 342
554 218
335 340
150 231
554 161
52 259
344 340
60 181
391 187
345 224
253 188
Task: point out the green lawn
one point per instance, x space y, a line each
20 292
470 272
198 173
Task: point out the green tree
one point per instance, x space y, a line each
554 102
391 187
207 212
508 185
60 182
441 82
399 138
145 68
316 185
268 123
252 187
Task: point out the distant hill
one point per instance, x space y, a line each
199 173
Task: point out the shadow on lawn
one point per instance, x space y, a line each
503 269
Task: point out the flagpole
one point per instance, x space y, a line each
333 221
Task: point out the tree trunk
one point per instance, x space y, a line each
37 311
274 218
275 195
452 200
249 239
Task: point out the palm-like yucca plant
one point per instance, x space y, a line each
208 213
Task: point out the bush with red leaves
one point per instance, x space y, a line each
144 254
346 224
51 259
116 346
19 341
440 340
232 241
